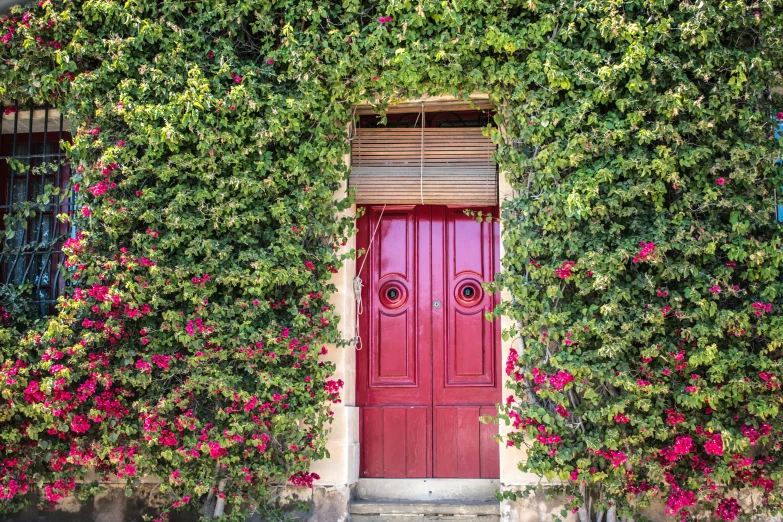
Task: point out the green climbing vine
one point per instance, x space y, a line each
642 254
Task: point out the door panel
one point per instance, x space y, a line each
490 448
393 348
463 446
466 372
393 326
395 442
428 367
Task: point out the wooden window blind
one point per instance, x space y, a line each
438 165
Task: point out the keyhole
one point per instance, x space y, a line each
468 292
392 294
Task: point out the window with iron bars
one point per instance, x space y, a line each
34 177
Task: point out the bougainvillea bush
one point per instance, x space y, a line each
647 260
642 255
188 344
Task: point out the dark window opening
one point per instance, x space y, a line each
34 181
435 119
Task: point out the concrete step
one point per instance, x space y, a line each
440 511
427 490
424 518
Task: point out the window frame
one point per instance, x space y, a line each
9 144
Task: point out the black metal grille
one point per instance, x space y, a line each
33 191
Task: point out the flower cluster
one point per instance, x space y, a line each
647 250
564 272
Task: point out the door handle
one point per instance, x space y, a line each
436 304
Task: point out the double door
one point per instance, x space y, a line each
429 366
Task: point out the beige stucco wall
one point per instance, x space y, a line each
342 467
509 457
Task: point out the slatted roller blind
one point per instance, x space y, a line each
386 166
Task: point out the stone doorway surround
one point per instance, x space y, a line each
339 482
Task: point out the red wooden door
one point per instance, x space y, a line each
430 361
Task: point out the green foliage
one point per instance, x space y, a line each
641 252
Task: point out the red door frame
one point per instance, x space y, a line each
422 391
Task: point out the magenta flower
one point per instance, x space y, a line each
645 252
560 380
714 445
720 181
564 272
683 445
80 424
86 212
728 509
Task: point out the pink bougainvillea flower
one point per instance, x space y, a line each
720 181
728 509
564 272
683 445
617 458
761 307
560 380
86 212
674 418
80 424
714 445
645 252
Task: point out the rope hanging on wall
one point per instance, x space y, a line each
421 168
358 283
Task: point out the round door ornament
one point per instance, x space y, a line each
468 292
393 294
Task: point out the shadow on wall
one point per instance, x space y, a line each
114 506
111 506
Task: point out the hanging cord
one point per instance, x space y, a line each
358 284
352 127
421 170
